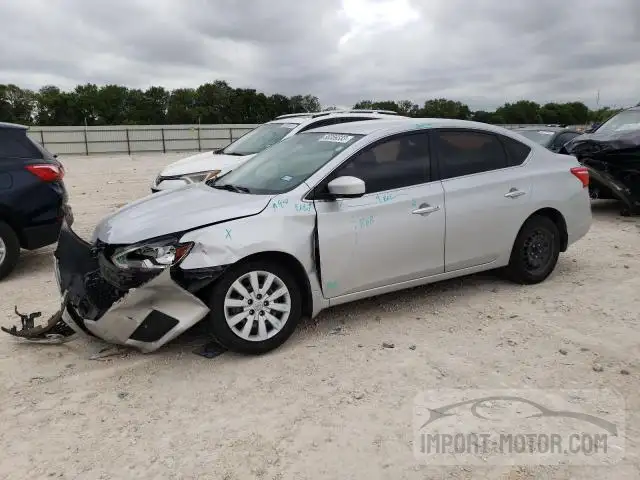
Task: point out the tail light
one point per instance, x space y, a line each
47 172
582 174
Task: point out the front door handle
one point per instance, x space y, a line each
426 209
514 193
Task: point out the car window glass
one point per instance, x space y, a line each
319 124
259 138
565 137
15 144
287 164
516 151
465 152
354 119
395 163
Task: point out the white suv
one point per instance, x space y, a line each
208 165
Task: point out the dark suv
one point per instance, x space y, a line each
33 199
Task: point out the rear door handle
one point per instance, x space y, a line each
514 193
426 209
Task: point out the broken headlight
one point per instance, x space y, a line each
201 176
151 256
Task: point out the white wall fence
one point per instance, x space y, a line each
131 139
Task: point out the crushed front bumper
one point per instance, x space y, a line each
141 311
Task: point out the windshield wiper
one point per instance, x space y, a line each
233 153
231 188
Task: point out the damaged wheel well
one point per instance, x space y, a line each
556 217
296 268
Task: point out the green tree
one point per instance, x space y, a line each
443 108
522 111
16 104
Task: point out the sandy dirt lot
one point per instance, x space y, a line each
332 402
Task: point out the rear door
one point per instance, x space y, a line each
487 192
395 232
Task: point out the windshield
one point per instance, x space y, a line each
287 164
259 138
543 137
622 122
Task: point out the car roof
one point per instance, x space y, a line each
12 125
310 117
367 128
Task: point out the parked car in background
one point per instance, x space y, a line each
207 165
33 199
611 152
325 217
551 137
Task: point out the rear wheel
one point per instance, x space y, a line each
535 251
255 307
9 250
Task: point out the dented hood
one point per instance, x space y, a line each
174 211
597 145
203 162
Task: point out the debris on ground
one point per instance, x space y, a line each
388 345
624 371
54 330
563 351
108 351
211 349
597 367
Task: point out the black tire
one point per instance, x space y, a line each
226 336
12 250
535 251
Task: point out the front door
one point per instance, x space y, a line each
395 232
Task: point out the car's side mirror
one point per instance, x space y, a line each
346 187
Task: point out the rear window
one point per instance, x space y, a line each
517 152
14 143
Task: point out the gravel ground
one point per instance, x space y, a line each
332 402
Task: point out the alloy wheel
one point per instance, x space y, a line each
257 306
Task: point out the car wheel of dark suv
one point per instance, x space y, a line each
9 250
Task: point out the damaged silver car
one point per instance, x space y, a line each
325 217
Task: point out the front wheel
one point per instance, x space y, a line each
535 251
255 307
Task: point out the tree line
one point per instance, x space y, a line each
218 102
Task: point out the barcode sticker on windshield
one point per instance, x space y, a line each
336 138
545 133
288 126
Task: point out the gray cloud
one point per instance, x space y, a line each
484 52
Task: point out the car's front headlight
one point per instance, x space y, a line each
201 176
151 256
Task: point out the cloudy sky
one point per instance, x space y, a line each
482 52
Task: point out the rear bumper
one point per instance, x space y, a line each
47 234
146 317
